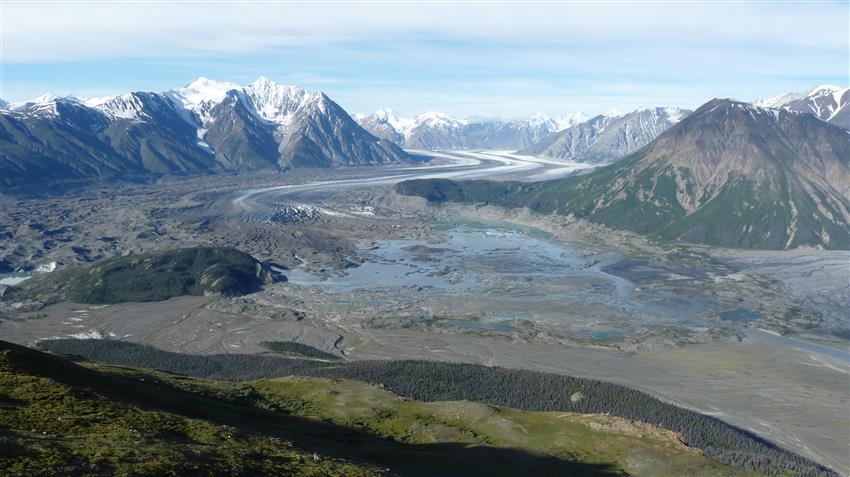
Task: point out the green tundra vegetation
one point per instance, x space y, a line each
726 450
149 277
64 418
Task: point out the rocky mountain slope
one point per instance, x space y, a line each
434 130
607 137
204 127
61 139
829 103
730 174
283 124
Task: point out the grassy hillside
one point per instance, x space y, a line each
150 277
439 382
62 418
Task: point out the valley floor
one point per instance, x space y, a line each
376 275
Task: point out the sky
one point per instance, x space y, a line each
464 58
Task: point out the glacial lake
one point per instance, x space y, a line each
469 258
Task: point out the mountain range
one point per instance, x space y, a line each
600 139
829 103
729 174
209 126
206 126
434 130
576 138
607 137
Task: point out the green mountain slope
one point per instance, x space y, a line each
436 382
730 174
62 418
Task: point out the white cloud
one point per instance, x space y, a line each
464 58
57 32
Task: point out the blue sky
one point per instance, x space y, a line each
464 58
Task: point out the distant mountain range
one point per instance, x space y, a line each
433 130
575 138
829 103
210 126
206 126
607 137
601 139
729 174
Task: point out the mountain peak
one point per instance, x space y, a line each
47 104
730 174
45 98
266 84
577 117
385 113
204 82
278 102
263 80
830 103
538 117
203 90
823 88
437 119
716 103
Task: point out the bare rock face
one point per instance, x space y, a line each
326 136
608 137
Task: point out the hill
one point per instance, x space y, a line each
63 418
730 174
149 277
523 390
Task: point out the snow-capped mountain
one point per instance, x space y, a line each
136 106
4 104
386 124
433 130
729 174
204 126
608 137
281 103
284 124
827 102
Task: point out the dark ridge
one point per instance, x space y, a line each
150 277
290 348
